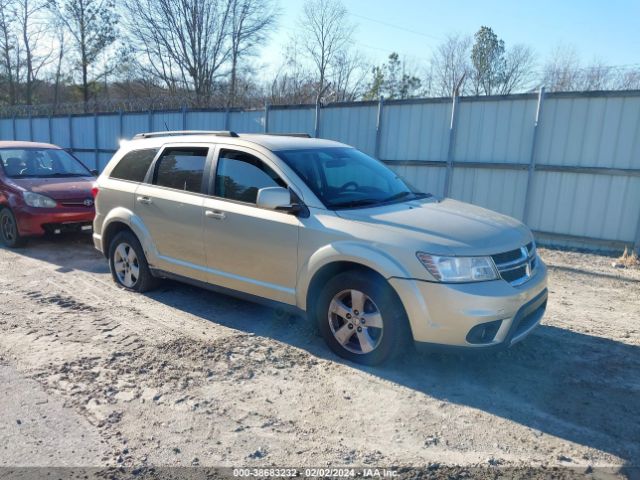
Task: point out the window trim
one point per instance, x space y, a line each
151 173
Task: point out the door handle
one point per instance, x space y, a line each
214 214
145 200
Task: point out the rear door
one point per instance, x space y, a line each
250 249
170 206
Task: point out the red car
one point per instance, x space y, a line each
43 189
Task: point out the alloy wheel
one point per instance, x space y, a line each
355 321
125 262
8 226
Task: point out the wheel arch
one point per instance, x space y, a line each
333 259
120 219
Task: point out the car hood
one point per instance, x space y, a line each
446 227
58 188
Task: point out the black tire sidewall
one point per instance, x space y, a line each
18 241
383 296
145 280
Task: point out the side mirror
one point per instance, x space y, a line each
276 198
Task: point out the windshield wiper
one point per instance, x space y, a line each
66 175
355 203
400 195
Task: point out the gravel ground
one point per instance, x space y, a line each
96 376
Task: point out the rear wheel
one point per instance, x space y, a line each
361 318
128 264
9 230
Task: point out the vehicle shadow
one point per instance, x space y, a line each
69 251
578 387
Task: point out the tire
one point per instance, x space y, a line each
9 230
128 264
367 338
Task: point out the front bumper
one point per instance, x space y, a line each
446 314
37 221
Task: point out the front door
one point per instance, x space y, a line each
250 249
171 210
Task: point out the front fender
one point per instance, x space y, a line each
346 251
135 223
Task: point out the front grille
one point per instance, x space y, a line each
516 266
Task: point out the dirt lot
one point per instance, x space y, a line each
91 375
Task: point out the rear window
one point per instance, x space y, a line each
181 168
134 165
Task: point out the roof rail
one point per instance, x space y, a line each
301 135
171 133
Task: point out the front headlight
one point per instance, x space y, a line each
38 201
459 269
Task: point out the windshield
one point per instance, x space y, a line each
344 177
40 163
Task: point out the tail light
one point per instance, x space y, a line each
94 191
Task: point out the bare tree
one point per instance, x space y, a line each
183 43
561 71
325 33
348 76
518 69
91 24
251 22
34 32
450 64
9 49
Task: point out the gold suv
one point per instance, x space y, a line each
321 227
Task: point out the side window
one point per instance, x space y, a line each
134 165
181 168
239 176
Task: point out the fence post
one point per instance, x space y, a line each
316 128
150 121
532 158
184 117
96 144
120 125
50 128
227 119
636 245
30 126
13 127
379 127
452 138
266 117
70 132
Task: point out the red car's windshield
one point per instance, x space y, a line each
40 163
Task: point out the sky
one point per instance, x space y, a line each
608 31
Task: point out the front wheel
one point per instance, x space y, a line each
128 264
9 230
361 318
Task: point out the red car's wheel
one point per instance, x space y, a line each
9 230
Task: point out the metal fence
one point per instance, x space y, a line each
568 164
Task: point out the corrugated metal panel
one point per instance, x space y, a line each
292 120
499 131
108 131
247 122
134 123
205 120
83 130
6 128
60 131
593 132
597 206
88 158
499 190
162 121
22 129
415 132
103 160
40 127
355 126
424 179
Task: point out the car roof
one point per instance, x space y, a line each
23 144
273 142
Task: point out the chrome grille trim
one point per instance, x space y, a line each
526 261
